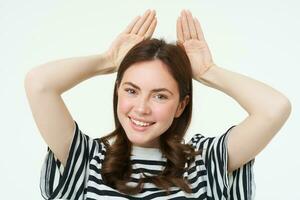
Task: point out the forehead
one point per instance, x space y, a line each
149 75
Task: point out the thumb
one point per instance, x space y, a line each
178 43
139 39
142 38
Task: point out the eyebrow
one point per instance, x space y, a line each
154 90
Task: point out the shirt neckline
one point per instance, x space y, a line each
145 152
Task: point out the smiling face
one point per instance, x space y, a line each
148 101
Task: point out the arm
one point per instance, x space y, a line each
268 111
45 84
60 76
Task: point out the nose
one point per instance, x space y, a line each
142 107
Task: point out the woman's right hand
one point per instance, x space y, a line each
139 29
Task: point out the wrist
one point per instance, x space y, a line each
105 64
204 73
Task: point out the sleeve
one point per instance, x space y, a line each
238 185
57 182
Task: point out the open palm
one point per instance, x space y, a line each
190 36
139 29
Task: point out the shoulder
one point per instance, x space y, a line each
196 139
200 141
84 143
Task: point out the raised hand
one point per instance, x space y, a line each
141 27
191 38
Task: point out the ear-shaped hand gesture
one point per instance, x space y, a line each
191 38
139 29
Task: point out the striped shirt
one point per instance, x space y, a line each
207 175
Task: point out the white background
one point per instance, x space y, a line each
257 38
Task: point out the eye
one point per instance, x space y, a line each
130 91
161 97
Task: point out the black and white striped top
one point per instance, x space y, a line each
208 176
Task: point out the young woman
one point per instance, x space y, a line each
146 157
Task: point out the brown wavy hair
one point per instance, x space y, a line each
116 168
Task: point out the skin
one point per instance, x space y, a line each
45 84
140 28
265 117
144 104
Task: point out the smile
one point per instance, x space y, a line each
140 126
140 123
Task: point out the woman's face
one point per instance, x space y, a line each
148 101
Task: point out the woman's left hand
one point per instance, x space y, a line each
191 38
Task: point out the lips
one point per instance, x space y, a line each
141 120
139 128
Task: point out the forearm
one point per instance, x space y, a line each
59 76
255 97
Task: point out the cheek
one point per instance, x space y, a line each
124 105
164 113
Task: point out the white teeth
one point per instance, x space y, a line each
140 123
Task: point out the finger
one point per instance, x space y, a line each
140 22
199 30
185 27
191 25
147 23
151 29
179 30
131 25
179 44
